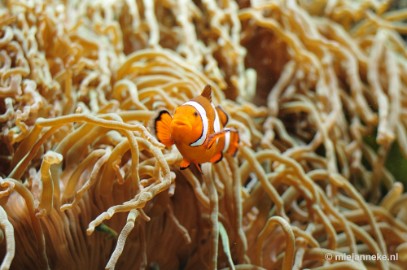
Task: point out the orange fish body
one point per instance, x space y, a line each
197 130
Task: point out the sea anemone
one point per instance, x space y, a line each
316 89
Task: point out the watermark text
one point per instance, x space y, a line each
361 257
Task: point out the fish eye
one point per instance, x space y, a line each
195 114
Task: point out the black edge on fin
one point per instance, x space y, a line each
183 168
220 158
158 118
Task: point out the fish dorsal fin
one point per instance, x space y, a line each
207 92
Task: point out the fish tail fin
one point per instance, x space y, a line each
162 128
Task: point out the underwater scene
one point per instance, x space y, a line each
203 134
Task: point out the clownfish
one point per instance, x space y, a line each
197 130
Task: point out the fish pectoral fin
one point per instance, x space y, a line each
184 164
162 128
217 157
234 142
213 137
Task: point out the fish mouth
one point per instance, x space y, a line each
181 124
